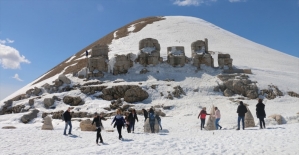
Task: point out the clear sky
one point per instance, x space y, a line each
36 35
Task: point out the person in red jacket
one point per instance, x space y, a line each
202 116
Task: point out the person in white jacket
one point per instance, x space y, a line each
217 116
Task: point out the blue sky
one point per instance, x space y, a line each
36 35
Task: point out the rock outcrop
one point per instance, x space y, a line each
272 92
73 101
86 125
278 118
30 116
293 94
48 102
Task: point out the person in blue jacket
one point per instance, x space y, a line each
119 122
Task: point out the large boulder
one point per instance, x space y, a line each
147 128
86 125
278 118
64 79
211 120
31 102
135 94
228 93
30 116
249 120
73 101
37 91
48 102
47 123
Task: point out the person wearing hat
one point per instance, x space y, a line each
241 114
98 121
202 116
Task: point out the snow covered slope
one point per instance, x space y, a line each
181 132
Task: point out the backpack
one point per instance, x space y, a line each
151 117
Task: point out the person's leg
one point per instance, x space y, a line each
145 119
98 132
100 136
152 126
243 123
133 125
119 131
201 123
160 124
216 123
65 128
263 121
70 124
260 123
239 119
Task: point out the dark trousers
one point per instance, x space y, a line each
99 135
262 122
239 119
145 119
119 130
128 128
132 125
202 123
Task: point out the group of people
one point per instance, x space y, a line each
119 122
242 110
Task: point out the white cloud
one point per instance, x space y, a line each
10 58
233 1
17 77
192 2
6 41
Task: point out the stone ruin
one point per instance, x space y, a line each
200 53
248 119
225 60
122 64
149 52
211 120
176 56
97 63
47 123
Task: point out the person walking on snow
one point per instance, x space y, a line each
145 113
217 116
132 118
98 121
67 118
152 120
127 122
260 113
202 116
119 122
241 114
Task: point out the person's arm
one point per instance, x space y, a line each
113 120
93 121
136 117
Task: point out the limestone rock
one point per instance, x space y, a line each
293 94
249 120
211 120
178 91
85 125
176 56
147 128
48 102
8 127
73 101
31 102
30 116
47 123
64 79
122 64
277 118
228 93
37 91
135 94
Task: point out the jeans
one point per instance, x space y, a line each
152 125
159 122
202 123
66 124
216 123
239 119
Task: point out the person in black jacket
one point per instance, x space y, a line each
145 113
98 121
132 117
241 114
260 113
119 122
67 118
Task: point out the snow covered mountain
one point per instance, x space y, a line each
268 66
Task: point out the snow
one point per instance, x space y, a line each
176 52
181 132
148 50
70 59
